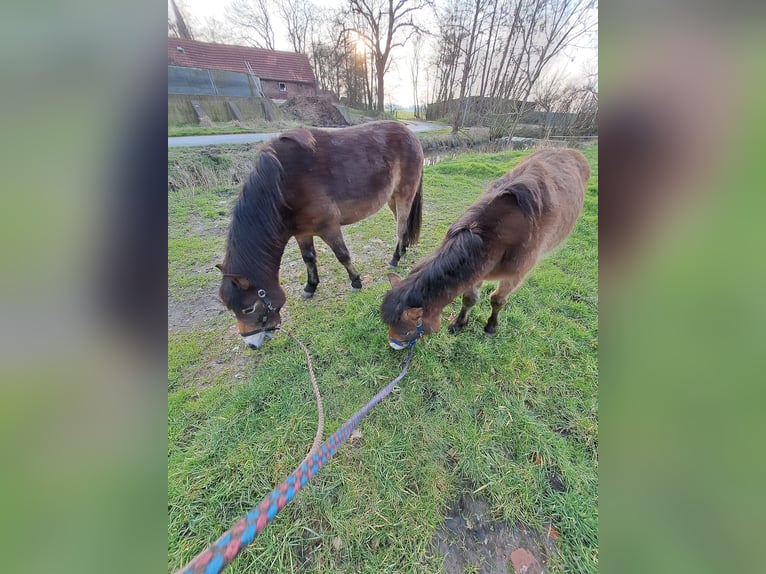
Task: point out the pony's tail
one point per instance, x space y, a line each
415 218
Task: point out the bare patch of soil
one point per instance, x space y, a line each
190 314
471 539
212 228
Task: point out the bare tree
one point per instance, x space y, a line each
496 20
581 101
495 51
451 36
468 61
297 16
338 57
216 31
546 27
389 23
548 94
417 54
250 22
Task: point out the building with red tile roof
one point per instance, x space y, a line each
281 74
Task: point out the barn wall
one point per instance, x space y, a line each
181 112
271 89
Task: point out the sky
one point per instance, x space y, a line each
399 89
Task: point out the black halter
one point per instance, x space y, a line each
268 308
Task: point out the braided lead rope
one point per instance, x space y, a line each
217 556
320 410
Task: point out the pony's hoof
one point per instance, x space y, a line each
489 333
356 289
454 329
307 294
392 266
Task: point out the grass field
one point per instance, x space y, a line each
253 127
510 420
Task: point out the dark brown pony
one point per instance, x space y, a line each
310 182
521 217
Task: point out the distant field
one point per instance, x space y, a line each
510 421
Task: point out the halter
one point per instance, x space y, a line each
268 308
412 341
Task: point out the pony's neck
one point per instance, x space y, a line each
453 268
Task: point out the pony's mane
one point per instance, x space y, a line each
458 259
257 222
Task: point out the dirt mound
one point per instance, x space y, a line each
314 110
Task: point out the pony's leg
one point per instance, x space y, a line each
309 254
499 297
470 298
335 240
398 250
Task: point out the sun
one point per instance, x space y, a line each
361 47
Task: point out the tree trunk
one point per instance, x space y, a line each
380 68
464 88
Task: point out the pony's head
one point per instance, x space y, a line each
256 310
403 314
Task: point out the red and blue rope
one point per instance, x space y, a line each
227 547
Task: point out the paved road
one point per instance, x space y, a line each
189 141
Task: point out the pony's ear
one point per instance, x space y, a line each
242 282
394 279
413 314
526 198
302 137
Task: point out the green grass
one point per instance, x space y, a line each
193 130
403 115
470 414
250 127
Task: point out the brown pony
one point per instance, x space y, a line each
521 217
310 182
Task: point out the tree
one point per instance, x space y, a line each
548 28
468 60
417 53
250 22
216 31
388 24
338 57
298 16
498 49
451 35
